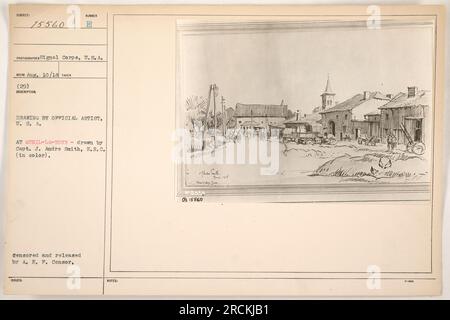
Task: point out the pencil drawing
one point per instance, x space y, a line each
344 105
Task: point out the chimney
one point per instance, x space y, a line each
366 95
297 115
412 92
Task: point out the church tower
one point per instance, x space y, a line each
327 96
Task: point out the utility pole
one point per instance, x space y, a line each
215 118
223 116
207 105
212 91
214 106
205 124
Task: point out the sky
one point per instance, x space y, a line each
293 66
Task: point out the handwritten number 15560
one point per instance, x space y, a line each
48 24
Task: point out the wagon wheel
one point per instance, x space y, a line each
418 148
409 147
309 142
332 141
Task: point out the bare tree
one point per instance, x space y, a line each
195 111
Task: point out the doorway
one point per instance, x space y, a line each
332 128
418 130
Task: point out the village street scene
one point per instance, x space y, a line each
354 114
370 137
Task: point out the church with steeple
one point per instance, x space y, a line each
314 119
327 96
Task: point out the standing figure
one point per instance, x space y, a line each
391 141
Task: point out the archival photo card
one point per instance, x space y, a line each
282 110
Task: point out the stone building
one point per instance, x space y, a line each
348 119
260 116
411 109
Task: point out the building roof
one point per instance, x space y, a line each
250 124
261 110
317 109
311 119
374 113
328 89
295 121
401 100
277 126
355 101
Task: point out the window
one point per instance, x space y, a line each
308 128
387 116
337 116
344 128
346 116
412 92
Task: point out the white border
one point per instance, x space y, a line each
3 76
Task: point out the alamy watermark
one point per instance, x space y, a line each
232 147
73 277
373 281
